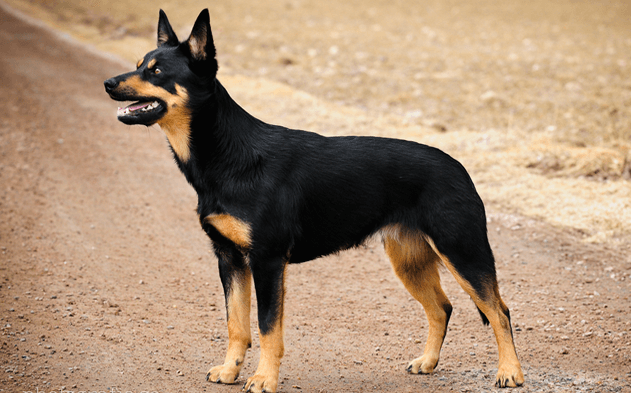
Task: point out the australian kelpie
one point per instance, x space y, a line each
269 196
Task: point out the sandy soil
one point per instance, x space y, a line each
108 284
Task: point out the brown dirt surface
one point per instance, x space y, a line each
108 284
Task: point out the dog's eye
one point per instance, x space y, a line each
157 71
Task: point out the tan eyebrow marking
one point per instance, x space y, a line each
151 63
140 63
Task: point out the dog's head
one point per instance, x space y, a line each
167 77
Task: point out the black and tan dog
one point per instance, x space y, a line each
269 196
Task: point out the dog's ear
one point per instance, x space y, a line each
166 36
200 43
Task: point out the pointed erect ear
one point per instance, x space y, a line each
200 43
166 36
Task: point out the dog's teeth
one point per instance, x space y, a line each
148 107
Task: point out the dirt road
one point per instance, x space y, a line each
108 284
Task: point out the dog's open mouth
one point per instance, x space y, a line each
137 108
145 112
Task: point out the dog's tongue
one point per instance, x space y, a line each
137 106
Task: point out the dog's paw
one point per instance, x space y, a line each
422 365
260 384
509 376
223 374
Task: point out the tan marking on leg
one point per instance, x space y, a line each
266 378
239 317
416 264
232 228
239 339
509 369
176 122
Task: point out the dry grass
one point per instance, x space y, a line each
533 97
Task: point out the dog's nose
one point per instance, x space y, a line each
110 84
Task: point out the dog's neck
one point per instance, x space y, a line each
223 140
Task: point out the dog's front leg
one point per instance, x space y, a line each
269 280
236 279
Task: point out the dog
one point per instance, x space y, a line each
269 196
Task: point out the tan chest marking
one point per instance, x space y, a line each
232 228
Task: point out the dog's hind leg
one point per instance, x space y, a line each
416 264
477 276
236 280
